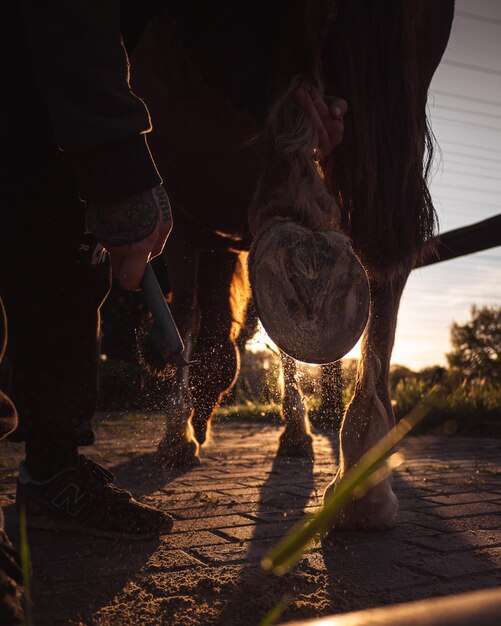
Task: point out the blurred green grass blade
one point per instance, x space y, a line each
272 616
24 551
290 549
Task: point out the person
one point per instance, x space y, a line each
73 132
73 140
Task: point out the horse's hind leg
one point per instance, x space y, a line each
178 447
296 440
370 415
223 296
329 414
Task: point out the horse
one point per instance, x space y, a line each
236 152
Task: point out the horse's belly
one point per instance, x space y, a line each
200 145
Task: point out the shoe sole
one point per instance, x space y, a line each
49 523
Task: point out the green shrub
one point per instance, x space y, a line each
407 393
468 408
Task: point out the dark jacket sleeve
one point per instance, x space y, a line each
83 71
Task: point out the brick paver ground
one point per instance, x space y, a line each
237 504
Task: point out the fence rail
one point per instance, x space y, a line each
467 240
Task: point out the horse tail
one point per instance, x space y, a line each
380 56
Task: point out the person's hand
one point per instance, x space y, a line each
326 114
133 230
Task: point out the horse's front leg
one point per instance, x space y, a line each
296 440
370 416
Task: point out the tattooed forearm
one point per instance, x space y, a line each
162 200
130 219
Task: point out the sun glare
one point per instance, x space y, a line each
261 341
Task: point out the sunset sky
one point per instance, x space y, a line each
465 112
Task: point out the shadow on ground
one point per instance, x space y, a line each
143 474
239 503
283 498
74 575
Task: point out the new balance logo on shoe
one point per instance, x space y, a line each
71 499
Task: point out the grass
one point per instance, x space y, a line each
470 408
250 411
24 550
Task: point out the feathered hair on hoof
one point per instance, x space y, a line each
291 183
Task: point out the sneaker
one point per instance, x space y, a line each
84 499
11 581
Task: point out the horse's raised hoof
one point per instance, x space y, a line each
375 510
295 446
178 453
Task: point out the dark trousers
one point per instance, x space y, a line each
8 414
51 282
53 279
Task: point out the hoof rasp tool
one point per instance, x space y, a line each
163 333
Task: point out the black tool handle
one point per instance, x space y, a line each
164 332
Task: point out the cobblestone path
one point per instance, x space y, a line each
236 505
